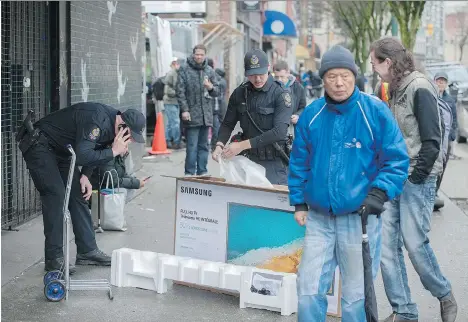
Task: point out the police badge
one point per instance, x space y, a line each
254 60
94 134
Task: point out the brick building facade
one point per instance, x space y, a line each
55 54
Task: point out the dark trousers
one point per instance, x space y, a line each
49 172
276 170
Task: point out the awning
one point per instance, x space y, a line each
278 24
220 31
302 52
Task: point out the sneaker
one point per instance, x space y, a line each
169 145
94 257
57 265
448 308
395 318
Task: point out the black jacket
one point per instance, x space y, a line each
88 127
270 107
119 176
453 105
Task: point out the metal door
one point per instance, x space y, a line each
25 79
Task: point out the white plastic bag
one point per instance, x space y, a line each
241 170
112 205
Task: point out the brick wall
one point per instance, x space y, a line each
103 66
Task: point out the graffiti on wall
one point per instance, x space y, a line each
112 9
134 44
121 83
84 83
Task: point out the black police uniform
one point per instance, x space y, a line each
87 127
270 108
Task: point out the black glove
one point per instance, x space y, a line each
373 204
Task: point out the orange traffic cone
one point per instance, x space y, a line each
159 140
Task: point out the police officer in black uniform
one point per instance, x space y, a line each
263 107
90 128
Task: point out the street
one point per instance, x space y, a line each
151 227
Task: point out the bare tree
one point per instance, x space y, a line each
363 22
462 26
408 14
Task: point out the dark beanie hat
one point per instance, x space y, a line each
337 57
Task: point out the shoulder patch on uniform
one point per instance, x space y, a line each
287 99
94 134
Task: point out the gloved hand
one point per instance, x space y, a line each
373 204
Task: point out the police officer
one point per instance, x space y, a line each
263 108
90 128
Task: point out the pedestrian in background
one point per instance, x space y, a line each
441 79
196 87
406 220
348 155
171 107
282 74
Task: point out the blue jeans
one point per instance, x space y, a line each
331 241
407 221
197 150
171 114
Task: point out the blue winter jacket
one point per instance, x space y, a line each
342 151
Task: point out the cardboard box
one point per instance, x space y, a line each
241 225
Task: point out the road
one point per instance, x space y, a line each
151 227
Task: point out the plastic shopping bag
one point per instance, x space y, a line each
112 205
241 170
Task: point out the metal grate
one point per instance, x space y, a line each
25 56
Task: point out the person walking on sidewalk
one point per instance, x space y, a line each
348 156
406 220
90 128
441 79
282 74
196 87
263 107
171 107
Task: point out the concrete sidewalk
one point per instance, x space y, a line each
150 218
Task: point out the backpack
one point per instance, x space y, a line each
158 88
446 119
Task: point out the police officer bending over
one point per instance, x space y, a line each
263 108
90 128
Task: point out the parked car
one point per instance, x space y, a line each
458 88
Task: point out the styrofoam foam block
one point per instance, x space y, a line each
285 301
209 274
134 268
153 271
230 277
168 271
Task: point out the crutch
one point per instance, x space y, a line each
57 285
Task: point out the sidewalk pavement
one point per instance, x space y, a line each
150 218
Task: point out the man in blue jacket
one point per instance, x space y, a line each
348 155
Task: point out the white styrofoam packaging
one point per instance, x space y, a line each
134 268
285 301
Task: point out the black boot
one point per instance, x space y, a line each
57 265
95 257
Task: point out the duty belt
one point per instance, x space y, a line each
266 153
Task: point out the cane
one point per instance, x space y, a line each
99 228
